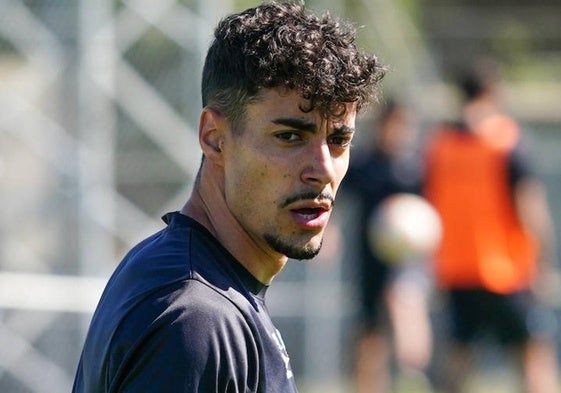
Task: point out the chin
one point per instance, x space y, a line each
307 251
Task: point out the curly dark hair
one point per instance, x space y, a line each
279 44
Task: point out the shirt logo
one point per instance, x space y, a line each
277 338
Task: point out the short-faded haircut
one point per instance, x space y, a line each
281 45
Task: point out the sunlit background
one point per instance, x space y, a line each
99 104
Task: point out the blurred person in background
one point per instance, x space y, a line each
394 337
496 262
185 310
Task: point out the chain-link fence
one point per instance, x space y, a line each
99 104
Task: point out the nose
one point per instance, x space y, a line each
320 166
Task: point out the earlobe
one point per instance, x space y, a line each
211 134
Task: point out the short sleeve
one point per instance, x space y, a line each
518 166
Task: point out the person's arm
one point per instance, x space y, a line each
533 210
532 207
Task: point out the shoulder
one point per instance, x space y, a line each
200 304
500 132
179 252
172 297
194 315
207 338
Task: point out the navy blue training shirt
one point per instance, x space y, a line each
180 314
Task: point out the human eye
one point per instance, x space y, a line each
288 136
340 140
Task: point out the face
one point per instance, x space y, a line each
282 171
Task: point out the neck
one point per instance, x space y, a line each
478 110
208 206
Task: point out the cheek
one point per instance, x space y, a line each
260 175
248 182
341 167
253 198
257 175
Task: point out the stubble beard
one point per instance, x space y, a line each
306 252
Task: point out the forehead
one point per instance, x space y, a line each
274 103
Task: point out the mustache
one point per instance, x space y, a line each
321 196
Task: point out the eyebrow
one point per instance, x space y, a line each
298 124
305 125
343 130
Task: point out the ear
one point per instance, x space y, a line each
212 128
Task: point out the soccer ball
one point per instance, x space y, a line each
404 229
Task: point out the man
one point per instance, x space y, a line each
394 328
498 241
185 310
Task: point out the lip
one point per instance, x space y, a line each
311 215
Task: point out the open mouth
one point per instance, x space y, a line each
310 210
311 217
309 213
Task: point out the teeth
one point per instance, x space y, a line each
309 216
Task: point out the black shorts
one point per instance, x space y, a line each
511 319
